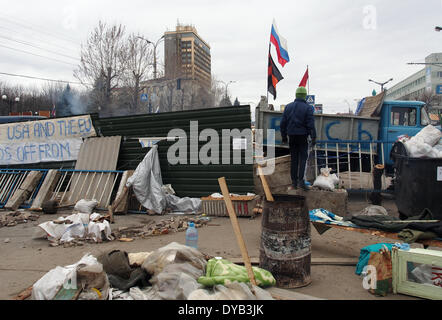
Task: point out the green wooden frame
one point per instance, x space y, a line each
399 268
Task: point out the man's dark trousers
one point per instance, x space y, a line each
298 152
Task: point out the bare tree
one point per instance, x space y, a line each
138 58
430 98
102 60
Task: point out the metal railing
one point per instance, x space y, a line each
351 159
74 185
12 179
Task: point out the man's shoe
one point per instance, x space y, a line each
293 186
304 186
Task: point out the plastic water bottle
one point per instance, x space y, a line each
192 236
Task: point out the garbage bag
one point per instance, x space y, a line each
222 271
99 231
176 282
116 262
325 180
94 282
47 286
55 231
173 253
430 135
86 206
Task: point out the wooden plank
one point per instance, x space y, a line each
236 228
46 189
267 191
124 204
24 295
24 191
314 261
384 234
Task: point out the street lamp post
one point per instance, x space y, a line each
381 83
10 101
154 53
226 84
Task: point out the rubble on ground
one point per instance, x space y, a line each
164 226
12 218
127 234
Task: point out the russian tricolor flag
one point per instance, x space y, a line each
280 44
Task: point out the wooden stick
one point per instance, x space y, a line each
236 229
120 198
265 185
24 295
111 214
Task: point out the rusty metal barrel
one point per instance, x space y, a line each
285 248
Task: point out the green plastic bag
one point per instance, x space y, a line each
221 271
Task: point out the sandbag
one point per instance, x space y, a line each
325 180
86 206
116 262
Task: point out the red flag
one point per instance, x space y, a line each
273 77
303 82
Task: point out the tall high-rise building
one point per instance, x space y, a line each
187 56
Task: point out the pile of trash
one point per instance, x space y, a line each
12 218
172 272
164 226
85 225
425 144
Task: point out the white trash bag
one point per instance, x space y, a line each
86 206
325 180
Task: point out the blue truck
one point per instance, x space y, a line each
369 138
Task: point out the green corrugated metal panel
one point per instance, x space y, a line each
187 180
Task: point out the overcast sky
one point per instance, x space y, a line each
344 42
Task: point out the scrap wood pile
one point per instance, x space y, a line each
12 218
172 272
164 226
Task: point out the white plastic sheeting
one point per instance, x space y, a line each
426 143
147 185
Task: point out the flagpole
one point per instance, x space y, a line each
268 75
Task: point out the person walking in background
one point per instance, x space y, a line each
297 124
